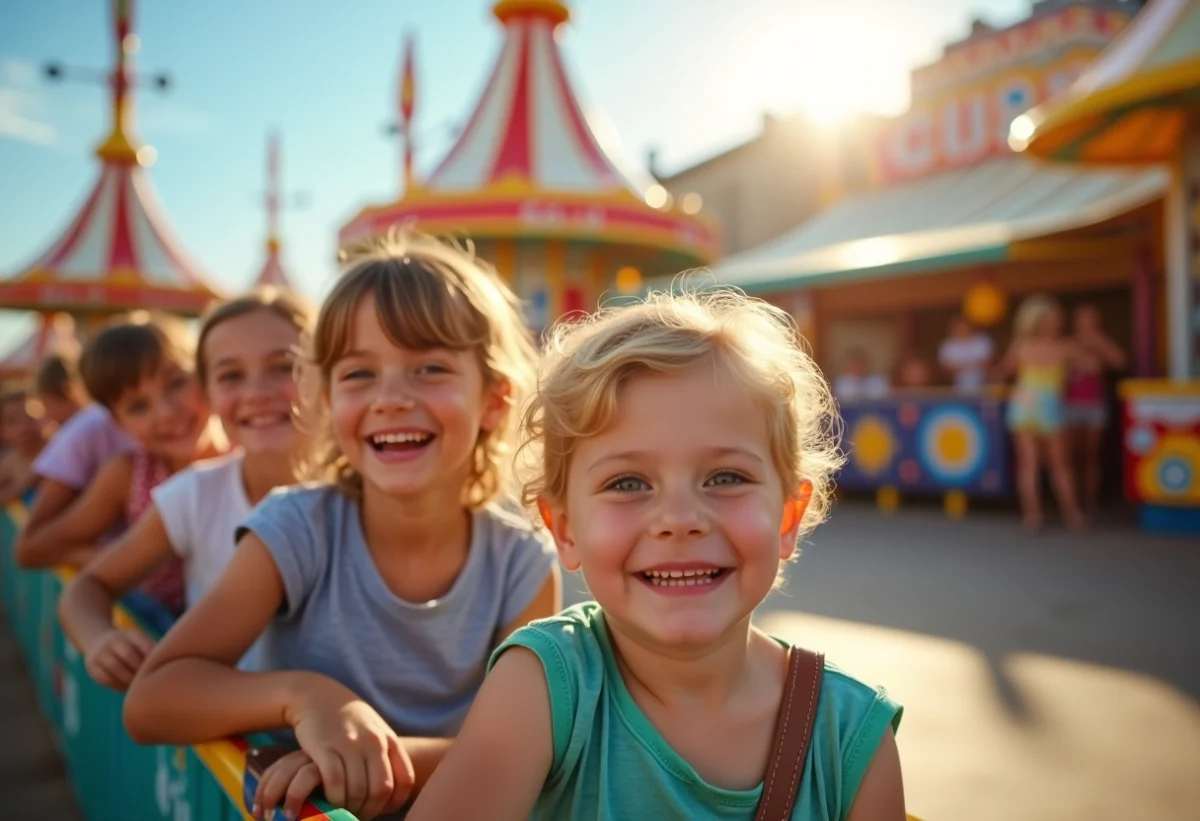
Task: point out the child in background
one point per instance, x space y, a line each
382 589
22 439
1039 357
58 389
140 369
679 449
245 361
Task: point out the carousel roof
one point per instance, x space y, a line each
117 253
1132 104
54 333
272 272
527 164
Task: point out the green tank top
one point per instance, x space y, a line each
611 764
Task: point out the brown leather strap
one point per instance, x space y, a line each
793 734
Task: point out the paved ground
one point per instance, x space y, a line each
32 780
1053 678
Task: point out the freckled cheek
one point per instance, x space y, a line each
750 524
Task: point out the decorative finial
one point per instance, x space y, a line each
554 10
119 148
407 100
272 200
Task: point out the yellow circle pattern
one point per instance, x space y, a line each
1179 447
872 445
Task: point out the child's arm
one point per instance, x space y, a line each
53 541
881 794
189 690
113 655
497 766
1109 351
290 780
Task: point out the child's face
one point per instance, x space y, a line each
251 381
408 420
682 486
18 428
166 412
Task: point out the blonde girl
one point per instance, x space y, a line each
679 450
245 361
1039 357
383 587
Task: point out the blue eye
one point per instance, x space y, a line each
727 477
358 373
433 368
627 484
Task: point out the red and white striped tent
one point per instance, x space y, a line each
528 168
54 333
117 253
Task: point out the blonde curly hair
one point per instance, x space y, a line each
585 364
427 294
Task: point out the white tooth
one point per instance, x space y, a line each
675 574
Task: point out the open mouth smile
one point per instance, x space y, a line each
690 580
400 445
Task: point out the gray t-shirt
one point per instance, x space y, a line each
419 664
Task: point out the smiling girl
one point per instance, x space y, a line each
245 360
679 449
383 588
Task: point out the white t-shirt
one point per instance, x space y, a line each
201 508
968 359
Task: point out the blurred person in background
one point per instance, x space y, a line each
965 355
857 381
1086 399
1039 357
21 434
59 389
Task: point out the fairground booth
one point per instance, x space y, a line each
957 224
1139 106
531 186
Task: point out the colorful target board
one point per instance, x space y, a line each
928 444
1162 452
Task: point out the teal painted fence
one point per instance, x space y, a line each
113 778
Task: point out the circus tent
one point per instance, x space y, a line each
528 181
118 252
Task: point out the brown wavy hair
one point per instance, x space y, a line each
427 294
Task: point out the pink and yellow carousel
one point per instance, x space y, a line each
530 185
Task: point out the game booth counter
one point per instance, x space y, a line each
1139 105
954 223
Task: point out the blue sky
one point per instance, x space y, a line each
690 77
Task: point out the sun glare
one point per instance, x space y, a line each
828 69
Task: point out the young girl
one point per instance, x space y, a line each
1086 399
245 362
680 448
383 589
1039 356
140 369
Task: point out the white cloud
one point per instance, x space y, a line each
21 105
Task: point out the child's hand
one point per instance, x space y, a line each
361 763
115 659
292 780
